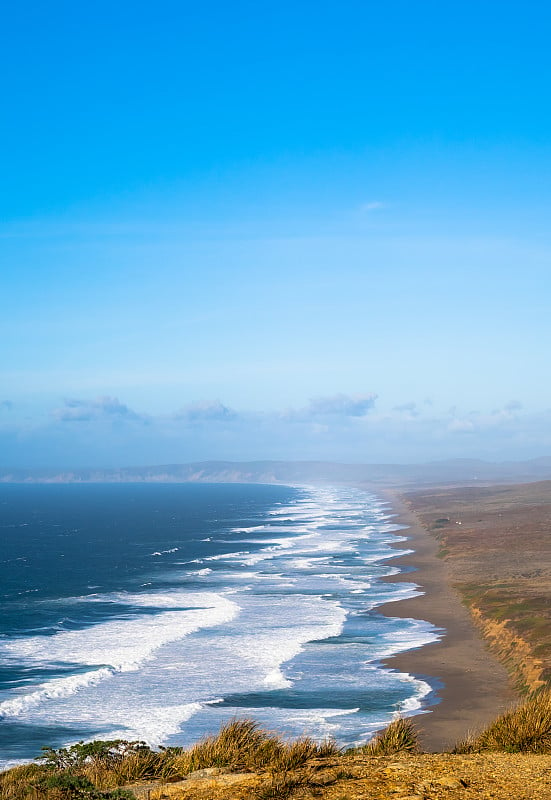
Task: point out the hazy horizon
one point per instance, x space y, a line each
275 232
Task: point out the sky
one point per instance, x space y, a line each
307 230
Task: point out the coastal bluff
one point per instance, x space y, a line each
495 542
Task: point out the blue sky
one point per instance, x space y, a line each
260 230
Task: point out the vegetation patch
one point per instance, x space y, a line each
243 762
401 736
94 770
524 729
499 560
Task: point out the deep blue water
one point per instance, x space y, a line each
160 611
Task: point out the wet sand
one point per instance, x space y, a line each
473 686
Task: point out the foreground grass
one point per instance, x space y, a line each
401 736
93 771
524 729
98 770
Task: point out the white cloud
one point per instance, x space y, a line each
338 427
408 409
206 412
75 410
461 426
342 405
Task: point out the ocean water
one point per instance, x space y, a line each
158 612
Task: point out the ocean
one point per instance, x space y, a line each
159 612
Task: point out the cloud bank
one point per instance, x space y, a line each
103 408
342 405
206 412
105 431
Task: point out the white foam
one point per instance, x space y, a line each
131 670
52 690
115 646
413 704
279 635
247 530
156 724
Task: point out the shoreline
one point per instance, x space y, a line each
472 687
469 686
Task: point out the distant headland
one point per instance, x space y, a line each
449 472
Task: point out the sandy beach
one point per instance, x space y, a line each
475 687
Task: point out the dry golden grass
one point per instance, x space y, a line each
524 729
281 769
400 736
242 745
86 771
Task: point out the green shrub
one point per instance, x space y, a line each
78 755
66 785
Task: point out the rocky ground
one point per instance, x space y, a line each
491 776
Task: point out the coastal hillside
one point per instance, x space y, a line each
496 544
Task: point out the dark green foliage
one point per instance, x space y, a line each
107 753
67 785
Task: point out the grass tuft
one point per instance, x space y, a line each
524 729
278 787
242 745
400 736
94 770
295 754
239 745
